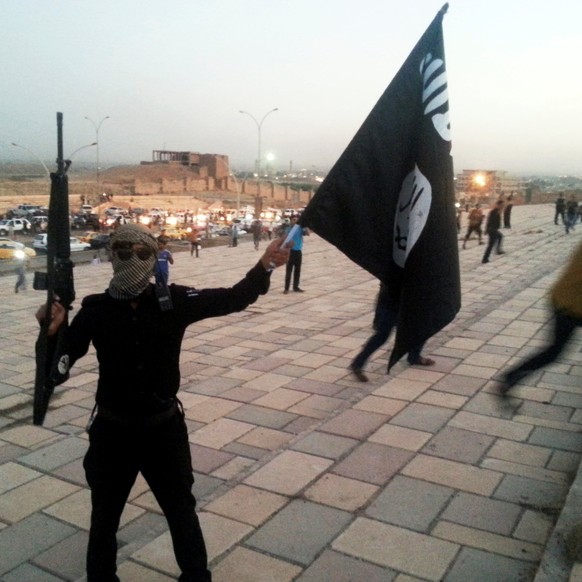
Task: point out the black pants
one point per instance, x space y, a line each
116 455
293 266
564 326
495 240
385 318
471 229
20 281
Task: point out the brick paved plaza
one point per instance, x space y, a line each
303 473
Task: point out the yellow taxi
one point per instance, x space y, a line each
10 250
87 236
175 233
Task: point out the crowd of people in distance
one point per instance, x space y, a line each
499 215
565 295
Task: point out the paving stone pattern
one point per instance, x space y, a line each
302 473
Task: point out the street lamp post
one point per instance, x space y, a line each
231 173
48 173
97 127
259 125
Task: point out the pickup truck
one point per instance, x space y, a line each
23 209
21 225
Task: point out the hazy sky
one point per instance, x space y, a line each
174 75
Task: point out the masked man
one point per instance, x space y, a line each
137 328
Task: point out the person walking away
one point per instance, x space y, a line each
459 217
507 212
257 230
20 271
293 268
138 424
492 229
571 214
560 208
234 233
165 259
566 305
194 238
475 222
385 318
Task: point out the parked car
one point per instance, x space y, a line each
22 210
41 211
87 236
40 243
100 241
10 250
86 209
78 221
114 210
5 239
16 224
176 233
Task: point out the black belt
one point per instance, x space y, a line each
147 420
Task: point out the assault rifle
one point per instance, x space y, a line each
51 366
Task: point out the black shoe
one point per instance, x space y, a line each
509 380
286 291
485 261
357 372
500 252
298 290
422 361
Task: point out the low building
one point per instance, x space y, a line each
487 185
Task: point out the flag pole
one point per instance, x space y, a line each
291 234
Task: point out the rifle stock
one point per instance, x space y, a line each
51 366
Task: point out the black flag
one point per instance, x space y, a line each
389 204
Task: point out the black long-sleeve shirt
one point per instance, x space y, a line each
138 349
493 221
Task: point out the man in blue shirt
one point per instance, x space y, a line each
165 259
295 257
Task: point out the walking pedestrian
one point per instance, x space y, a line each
234 233
293 269
475 222
194 237
257 231
20 271
164 260
560 208
566 304
507 212
493 232
571 214
385 318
